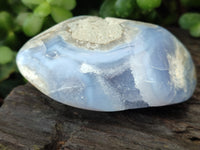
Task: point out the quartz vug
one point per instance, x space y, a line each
108 64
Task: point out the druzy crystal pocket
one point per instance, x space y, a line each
108 64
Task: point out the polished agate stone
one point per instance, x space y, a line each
108 64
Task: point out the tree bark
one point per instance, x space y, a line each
30 120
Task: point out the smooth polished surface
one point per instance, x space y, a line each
108 64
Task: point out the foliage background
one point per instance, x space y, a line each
22 19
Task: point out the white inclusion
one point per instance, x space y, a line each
149 81
85 68
157 68
138 71
64 88
177 67
111 72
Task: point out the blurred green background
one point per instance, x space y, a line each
22 19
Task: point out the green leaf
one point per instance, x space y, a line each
148 4
6 55
60 14
22 17
32 3
195 30
32 25
43 10
16 6
67 4
6 22
107 9
35 2
124 8
188 20
6 70
70 4
11 39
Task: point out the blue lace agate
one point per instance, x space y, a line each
108 64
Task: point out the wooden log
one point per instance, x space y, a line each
30 120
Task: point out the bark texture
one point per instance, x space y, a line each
30 121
